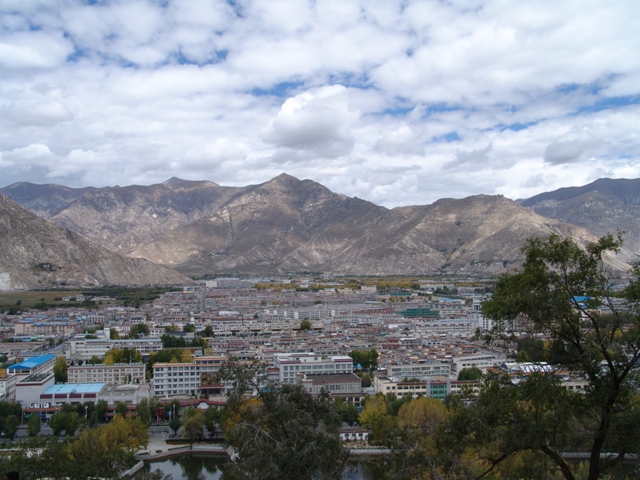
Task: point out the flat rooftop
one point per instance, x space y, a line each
67 388
32 362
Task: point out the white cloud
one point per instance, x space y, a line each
32 154
316 122
33 50
395 102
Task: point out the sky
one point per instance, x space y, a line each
397 102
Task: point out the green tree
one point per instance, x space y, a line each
466 374
138 330
73 421
11 426
563 292
143 411
57 422
280 431
365 378
34 425
174 424
122 355
154 407
349 413
101 410
113 334
192 422
211 418
531 350
305 325
122 409
60 370
95 360
366 360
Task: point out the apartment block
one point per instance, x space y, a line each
290 365
118 373
419 371
83 349
176 379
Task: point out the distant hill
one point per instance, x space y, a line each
43 200
36 253
604 206
291 225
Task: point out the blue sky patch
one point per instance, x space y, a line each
280 90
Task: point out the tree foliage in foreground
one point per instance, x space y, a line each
280 431
102 452
563 292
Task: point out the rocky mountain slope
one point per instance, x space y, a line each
604 206
36 253
290 225
43 200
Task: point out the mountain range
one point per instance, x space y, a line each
36 253
289 225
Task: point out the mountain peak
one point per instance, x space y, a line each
175 183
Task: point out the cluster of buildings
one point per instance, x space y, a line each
423 341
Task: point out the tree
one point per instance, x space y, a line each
34 425
107 450
174 424
138 329
122 409
192 422
305 325
154 407
349 413
143 411
57 422
122 355
280 431
466 374
211 418
412 440
60 370
366 360
95 360
101 410
113 334
11 426
563 292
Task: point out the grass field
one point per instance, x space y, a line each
30 298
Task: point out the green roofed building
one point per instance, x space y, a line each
419 313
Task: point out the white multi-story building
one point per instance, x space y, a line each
83 349
8 388
480 360
185 378
176 379
289 365
435 388
118 373
419 370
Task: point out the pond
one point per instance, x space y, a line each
208 467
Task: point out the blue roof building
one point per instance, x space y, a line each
33 364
